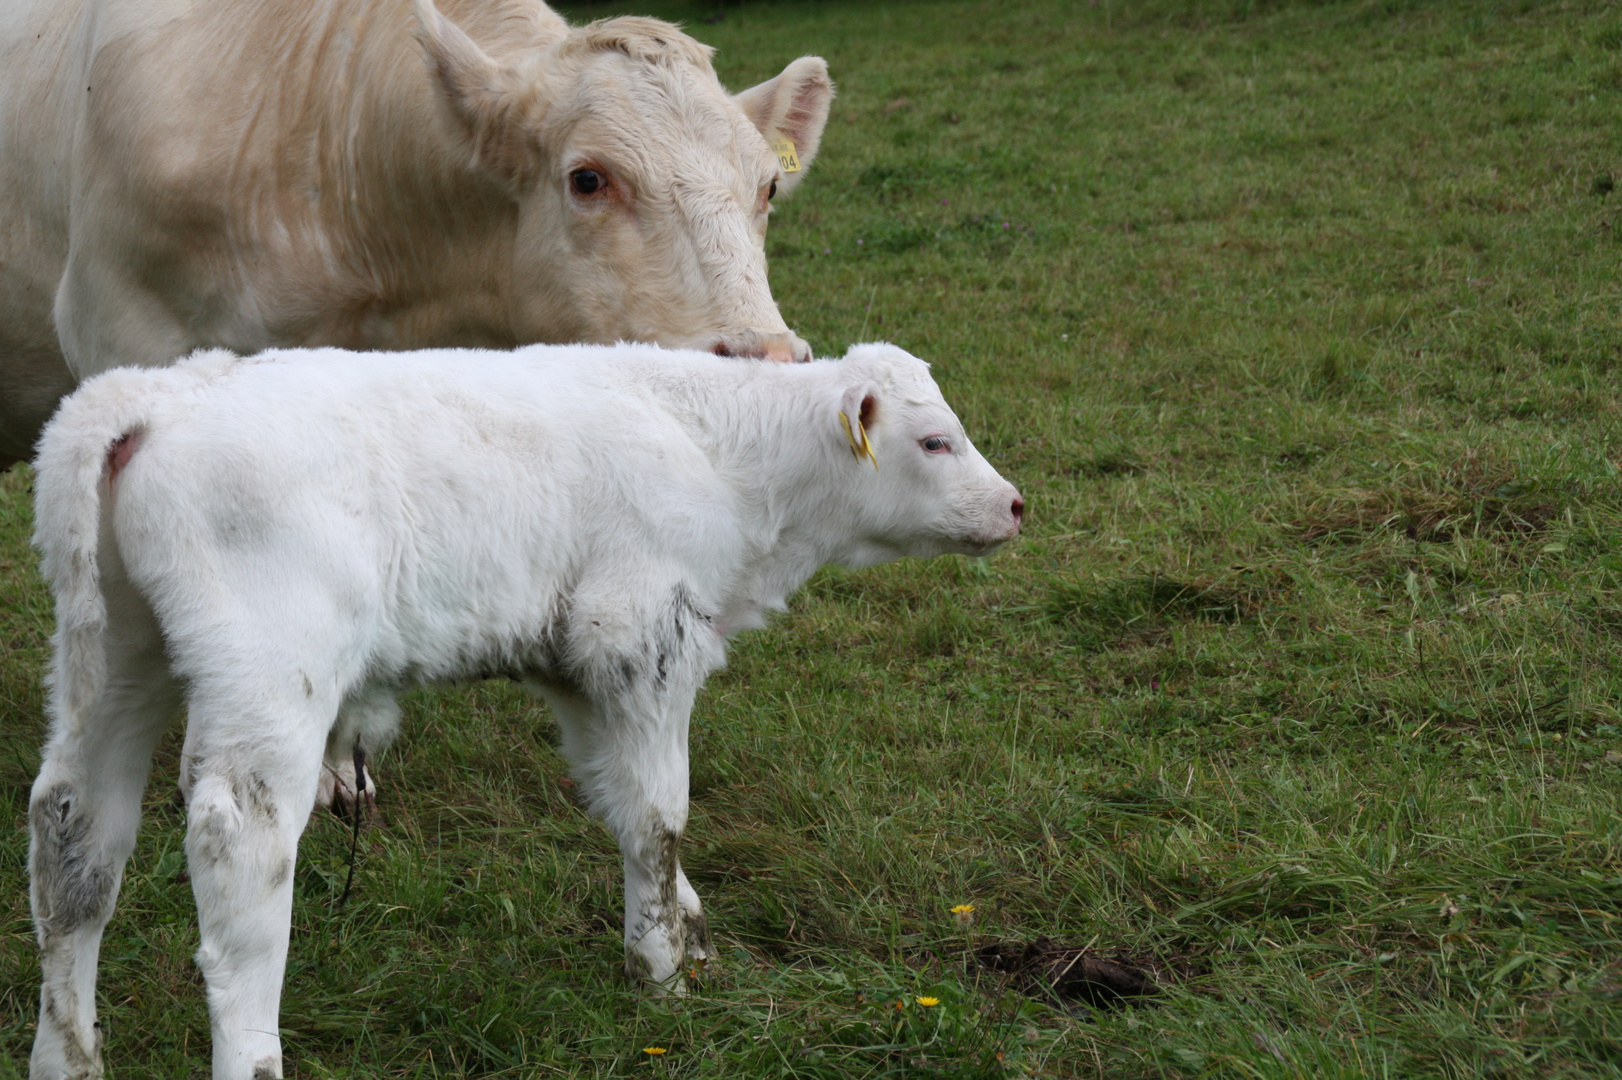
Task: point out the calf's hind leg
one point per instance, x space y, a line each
254 779
83 815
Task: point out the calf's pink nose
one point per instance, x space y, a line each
1018 510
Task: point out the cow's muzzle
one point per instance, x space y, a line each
780 348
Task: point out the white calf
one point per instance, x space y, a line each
281 541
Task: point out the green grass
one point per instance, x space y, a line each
1300 327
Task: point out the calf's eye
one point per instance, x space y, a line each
586 181
771 193
936 445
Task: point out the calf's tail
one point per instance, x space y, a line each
93 435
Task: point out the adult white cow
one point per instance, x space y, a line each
258 173
271 537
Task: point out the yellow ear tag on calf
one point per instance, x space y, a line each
864 448
788 158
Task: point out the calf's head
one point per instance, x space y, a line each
641 187
919 485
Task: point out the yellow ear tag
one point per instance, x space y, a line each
864 448
788 158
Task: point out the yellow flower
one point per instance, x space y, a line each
928 1002
654 1050
964 913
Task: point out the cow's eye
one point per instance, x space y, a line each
771 192
586 181
935 444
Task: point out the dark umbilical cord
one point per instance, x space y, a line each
354 840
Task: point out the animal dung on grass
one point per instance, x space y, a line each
291 537
1065 974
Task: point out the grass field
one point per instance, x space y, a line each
1300 327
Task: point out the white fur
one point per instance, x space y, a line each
372 174
299 531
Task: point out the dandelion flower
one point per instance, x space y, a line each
654 1050
928 1002
964 913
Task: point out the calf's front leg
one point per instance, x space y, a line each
631 766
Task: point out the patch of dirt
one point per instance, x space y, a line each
1063 975
1435 519
1471 495
1143 607
1121 461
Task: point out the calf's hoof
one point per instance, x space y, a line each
642 975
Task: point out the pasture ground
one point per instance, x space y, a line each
1298 325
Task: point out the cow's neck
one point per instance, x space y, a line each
408 245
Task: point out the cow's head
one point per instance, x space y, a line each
642 188
921 487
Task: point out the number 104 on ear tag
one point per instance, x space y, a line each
787 156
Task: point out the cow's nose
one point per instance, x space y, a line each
781 350
1018 510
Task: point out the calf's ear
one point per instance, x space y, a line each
490 103
791 111
858 411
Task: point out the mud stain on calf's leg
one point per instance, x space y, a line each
214 831
699 946
663 911
80 1059
670 633
72 885
669 842
637 969
266 1070
254 795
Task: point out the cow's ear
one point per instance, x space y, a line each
489 102
858 412
791 111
